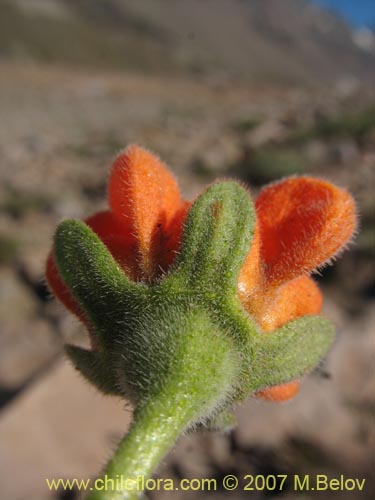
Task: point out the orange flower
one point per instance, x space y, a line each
301 223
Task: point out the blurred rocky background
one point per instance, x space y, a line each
252 89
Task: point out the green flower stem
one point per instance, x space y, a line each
195 386
153 432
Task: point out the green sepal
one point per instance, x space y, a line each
94 278
216 238
223 421
91 364
289 352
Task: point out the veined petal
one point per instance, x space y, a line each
304 222
145 197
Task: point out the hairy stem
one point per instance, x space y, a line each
155 429
194 388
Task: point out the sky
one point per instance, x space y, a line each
359 13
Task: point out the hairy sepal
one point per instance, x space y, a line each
216 238
289 352
95 280
94 366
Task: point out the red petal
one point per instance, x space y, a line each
59 289
280 393
117 239
106 224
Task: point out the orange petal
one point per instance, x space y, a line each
145 197
303 223
296 298
250 274
280 393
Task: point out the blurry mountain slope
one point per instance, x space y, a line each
279 40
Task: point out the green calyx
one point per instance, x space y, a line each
184 345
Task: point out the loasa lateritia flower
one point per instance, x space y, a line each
191 307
